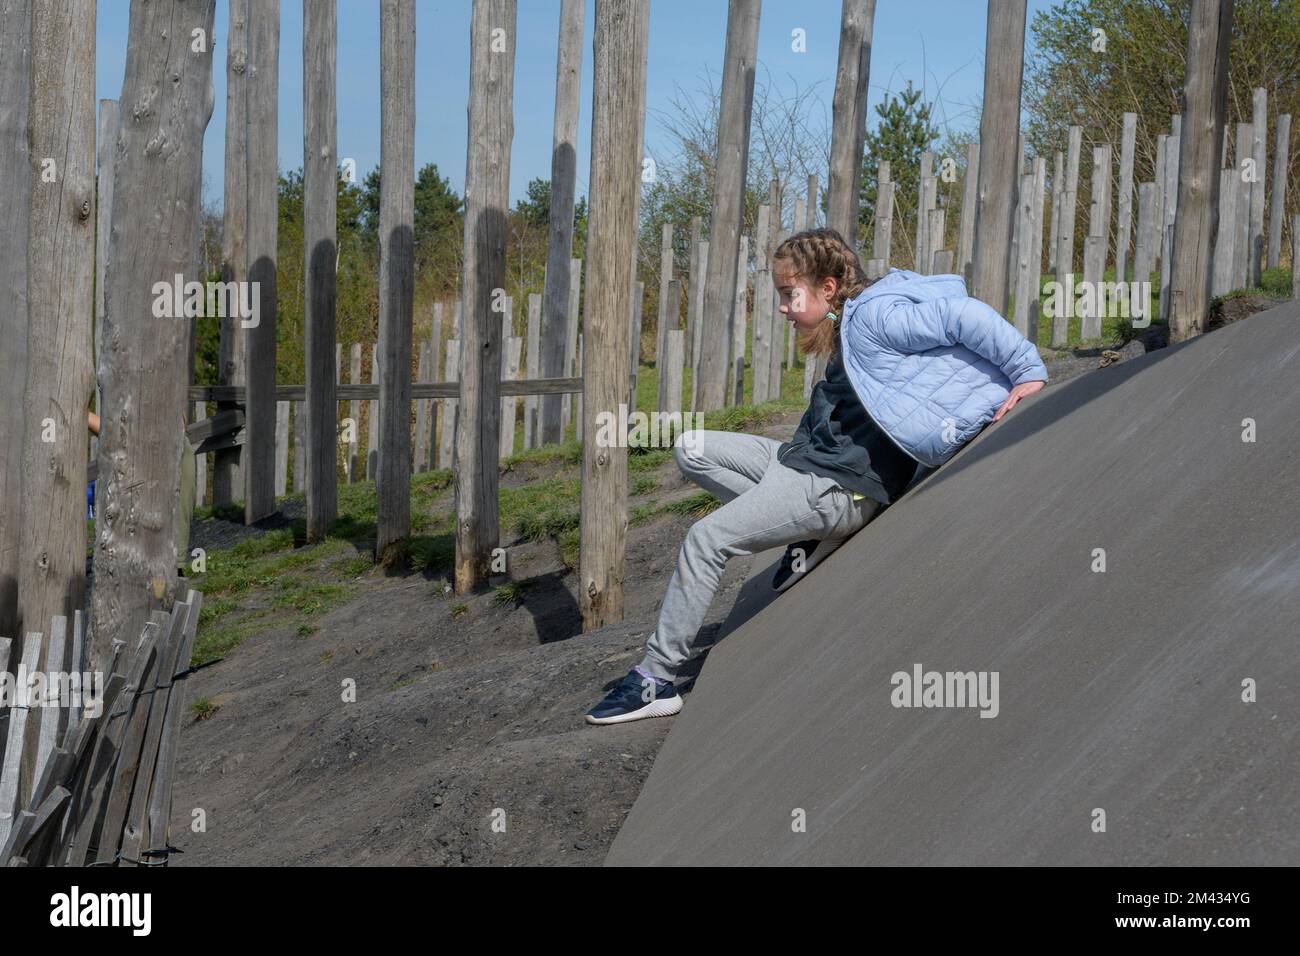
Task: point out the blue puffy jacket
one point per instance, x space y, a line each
931 364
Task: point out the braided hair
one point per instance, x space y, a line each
814 255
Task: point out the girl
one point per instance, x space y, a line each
916 368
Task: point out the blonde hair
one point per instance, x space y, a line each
814 255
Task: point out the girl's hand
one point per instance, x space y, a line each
1017 393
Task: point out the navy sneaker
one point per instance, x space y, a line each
785 572
636 697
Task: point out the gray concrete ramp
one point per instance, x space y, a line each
1119 692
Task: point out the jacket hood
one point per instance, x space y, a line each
911 285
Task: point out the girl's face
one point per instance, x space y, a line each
804 303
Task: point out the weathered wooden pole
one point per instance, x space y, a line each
105 151
1295 256
1058 190
397 272
487 180
969 209
1004 54
665 277
1144 250
232 362
15 210
1225 233
258 459
760 360
1258 147
1209 36
60 288
739 62
1241 240
1277 203
921 246
1069 203
619 76
320 242
1173 148
849 118
156 199
1124 224
884 218
559 250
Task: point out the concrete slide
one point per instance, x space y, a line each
1142 714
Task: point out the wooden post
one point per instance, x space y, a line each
106 153
487 178
921 256
299 447
969 208
555 358
1069 199
619 76
1295 257
258 458
1241 245
156 198
674 363
531 430
397 272
421 462
435 363
1058 190
354 412
320 243
1158 175
1173 146
1225 235
934 240
1277 206
1124 224
738 324
372 421
200 462
579 366
635 353
15 210
665 276
1259 143
1036 254
739 62
760 360
884 213
281 449
1209 37
1027 255
571 338
232 363
693 327
848 127
1099 203
447 440
1144 252
776 333
510 410
999 149
674 310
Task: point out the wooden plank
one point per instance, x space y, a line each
396 271
559 249
92 789
136 835
571 339
1277 200
934 240
1069 201
674 361
299 446
666 267
1036 254
354 413
921 256
1099 203
10 773
969 208
1241 245
514 351
695 336
1026 292
160 798
258 460
777 326
15 212
1173 146
1058 190
106 150
43 830
740 60
200 461
131 755
321 353
508 403
51 713
1000 154
635 354
579 394
1158 175
227 479
760 362
447 438
78 746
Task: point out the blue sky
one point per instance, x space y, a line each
937 44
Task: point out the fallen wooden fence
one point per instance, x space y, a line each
103 794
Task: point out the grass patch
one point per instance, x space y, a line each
203 709
512 592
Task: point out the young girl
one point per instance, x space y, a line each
916 368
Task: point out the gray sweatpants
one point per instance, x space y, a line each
765 505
